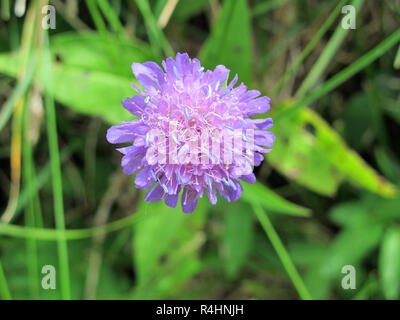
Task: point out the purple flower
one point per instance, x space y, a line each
193 133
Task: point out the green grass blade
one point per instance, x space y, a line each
96 16
112 18
4 291
28 171
46 234
326 57
344 75
396 63
39 181
309 48
18 92
156 36
229 42
282 253
56 175
266 6
5 9
389 264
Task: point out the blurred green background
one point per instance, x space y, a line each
326 196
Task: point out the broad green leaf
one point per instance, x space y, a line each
389 264
153 238
230 41
86 75
89 51
259 194
168 286
310 152
165 247
237 237
93 93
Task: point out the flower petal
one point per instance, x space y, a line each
156 194
189 199
250 178
144 178
172 200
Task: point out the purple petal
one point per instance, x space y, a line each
135 105
144 179
141 69
121 133
221 191
257 106
132 164
235 191
263 124
183 63
233 82
220 74
189 199
251 94
172 200
250 178
212 195
258 158
157 71
156 194
264 138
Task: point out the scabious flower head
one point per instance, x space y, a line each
193 133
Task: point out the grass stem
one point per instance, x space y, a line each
281 251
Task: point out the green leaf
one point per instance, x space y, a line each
153 237
396 62
84 69
310 152
165 247
357 117
230 41
350 247
259 194
188 8
370 207
84 91
156 36
344 75
325 58
89 51
237 237
389 264
388 163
